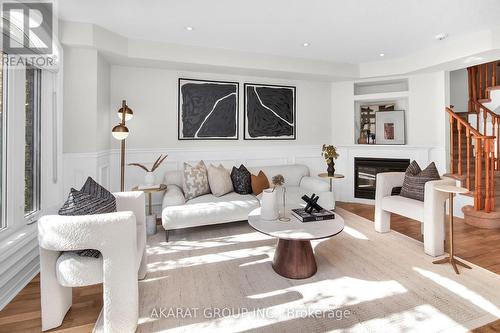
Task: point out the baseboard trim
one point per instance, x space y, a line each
30 271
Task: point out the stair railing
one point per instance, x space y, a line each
490 126
481 78
484 158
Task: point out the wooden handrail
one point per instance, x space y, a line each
484 150
472 130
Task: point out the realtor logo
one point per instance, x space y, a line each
27 27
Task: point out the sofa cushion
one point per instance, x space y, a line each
415 179
73 270
209 209
259 183
195 182
411 208
242 180
219 180
292 173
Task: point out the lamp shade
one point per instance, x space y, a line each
120 132
129 114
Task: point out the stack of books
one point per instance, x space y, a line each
304 216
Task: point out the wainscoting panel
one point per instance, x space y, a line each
105 167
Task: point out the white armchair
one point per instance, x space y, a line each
430 213
121 239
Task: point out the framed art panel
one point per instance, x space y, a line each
269 112
207 110
390 127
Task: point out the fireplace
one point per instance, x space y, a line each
365 173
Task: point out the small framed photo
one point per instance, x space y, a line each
390 127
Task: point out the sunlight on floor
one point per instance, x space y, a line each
211 258
460 290
322 297
184 245
422 318
354 233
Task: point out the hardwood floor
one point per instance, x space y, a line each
22 314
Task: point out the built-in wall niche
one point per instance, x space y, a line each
380 87
379 96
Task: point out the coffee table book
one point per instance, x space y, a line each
304 216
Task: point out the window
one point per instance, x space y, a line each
32 142
3 88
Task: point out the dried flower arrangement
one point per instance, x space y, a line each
278 180
155 166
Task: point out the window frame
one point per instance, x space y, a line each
33 215
4 144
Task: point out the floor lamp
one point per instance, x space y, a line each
120 132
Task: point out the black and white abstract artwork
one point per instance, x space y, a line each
208 110
269 112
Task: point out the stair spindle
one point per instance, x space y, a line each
452 148
487 194
459 129
467 179
477 187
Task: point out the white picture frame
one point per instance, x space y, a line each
390 127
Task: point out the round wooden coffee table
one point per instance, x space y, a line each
294 256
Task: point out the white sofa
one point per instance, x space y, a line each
430 212
121 239
177 213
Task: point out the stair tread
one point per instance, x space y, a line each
493 88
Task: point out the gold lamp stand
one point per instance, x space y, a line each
121 132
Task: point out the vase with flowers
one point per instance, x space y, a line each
278 182
149 179
330 154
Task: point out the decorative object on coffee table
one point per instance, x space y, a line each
312 203
269 205
330 154
150 218
331 178
149 179
279 181
294 256
121 132
452 190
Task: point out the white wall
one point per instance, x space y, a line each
152 94
459 89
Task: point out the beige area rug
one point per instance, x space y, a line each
220 279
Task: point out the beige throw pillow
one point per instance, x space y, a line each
195 182
219 180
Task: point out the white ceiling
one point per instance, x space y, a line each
353 31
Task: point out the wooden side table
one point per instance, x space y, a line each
331 178
452 190
150 219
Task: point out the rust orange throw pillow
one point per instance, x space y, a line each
259 183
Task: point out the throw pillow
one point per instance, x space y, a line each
415 179
259 183
219 180
91 199
195 182
242 180
80 203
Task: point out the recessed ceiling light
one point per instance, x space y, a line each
441 36
189 28
306 44
382 54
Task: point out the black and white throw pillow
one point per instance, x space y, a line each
242 180
91 199
415 179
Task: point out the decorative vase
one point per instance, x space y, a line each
149 179
331 168
269 205
282 210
